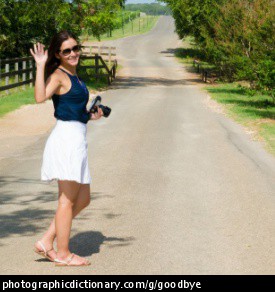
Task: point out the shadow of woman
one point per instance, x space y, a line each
87 243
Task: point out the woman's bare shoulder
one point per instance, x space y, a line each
55 77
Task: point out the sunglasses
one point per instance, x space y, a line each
68 51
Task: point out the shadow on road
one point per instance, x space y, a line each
128 82
23 222
25 213
170 52
88 243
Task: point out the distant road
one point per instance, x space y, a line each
177 187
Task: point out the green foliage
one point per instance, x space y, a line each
238 36
248 107
24 22
150 9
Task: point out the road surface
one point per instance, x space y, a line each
178 188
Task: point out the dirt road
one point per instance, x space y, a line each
177 187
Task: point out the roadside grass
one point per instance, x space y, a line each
15 100
188 54
256 113
137 26
19 97
253 110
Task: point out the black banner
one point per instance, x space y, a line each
150 282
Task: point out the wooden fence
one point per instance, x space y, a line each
108 54
23 69
104 59
206 73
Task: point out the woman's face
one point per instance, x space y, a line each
69 52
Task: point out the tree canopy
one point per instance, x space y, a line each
24 22
238 36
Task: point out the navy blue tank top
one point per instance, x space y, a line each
71 106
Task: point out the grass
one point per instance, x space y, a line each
254 111
19 97
137 26
15 100
188 54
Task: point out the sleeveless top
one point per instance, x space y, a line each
71 106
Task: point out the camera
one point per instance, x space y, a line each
97 102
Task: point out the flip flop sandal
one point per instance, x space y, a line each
66 263
43 253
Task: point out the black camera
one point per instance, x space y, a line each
97 102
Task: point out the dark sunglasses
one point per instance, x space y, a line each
68 51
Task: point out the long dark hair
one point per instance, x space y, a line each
55 45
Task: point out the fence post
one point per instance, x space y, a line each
7 70
16 69
110 56
33 72
205 77
198 68
0 73
31 76
24 74
96 66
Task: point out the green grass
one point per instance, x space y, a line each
256 112
19 97
15 100
138 26
188 54
253 110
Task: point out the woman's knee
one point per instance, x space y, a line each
68 193
84 194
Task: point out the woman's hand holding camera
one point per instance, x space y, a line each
98 114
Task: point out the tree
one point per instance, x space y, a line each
238 36
24 22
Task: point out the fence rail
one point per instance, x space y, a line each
206 74
19 68
100 64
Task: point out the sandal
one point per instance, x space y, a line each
63 263
43 253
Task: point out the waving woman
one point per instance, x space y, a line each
65 154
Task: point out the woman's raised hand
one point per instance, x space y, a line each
40 56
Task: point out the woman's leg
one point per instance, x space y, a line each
68 191
82 201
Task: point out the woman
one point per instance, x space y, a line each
65 154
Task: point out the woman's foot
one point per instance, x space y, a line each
45 249
71 260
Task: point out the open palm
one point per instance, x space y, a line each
40 56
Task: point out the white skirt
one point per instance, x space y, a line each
65 154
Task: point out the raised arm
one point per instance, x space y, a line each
42 90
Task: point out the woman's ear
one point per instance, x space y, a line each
57 56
